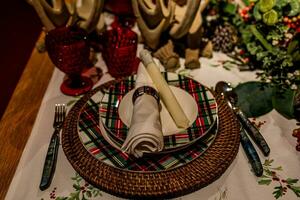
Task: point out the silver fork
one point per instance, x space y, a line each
51 157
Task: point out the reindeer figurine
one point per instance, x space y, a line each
181 20
62 14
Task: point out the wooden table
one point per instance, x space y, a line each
18 119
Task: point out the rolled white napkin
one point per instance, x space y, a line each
145 132
166 94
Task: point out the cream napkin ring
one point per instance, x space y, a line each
145 90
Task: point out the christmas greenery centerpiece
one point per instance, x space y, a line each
269 33
270 36
262 35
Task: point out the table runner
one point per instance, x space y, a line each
281 168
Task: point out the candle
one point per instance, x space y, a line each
166 95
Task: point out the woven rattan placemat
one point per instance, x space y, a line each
148 185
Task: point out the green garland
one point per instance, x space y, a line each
269 32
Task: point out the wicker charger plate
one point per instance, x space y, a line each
164 184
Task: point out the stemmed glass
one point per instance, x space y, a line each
69 51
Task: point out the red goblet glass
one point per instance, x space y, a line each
120 47
69 51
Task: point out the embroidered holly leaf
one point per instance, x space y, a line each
268 162
278 192
96 192
74 196
77 187
264 182
89 194
296 190
83 198
278 168
268 172
291 181
264 176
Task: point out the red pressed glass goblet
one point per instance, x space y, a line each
119 52
69 51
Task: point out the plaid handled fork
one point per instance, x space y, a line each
51 157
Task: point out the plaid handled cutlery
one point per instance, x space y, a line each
51 157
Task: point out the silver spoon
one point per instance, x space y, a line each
250 128
223 90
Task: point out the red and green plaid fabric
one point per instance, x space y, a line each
91 137
207 111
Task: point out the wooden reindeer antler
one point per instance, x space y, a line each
182 26
59 14
95 18
152 19
197 23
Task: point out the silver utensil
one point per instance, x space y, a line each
250 128
51 157
253 158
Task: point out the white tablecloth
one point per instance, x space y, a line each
237 183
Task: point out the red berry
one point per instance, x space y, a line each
246 60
